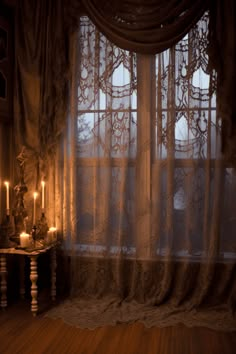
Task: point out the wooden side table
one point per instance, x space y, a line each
33 255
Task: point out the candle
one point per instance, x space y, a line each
43 197
7 198
51 235
24 239
34 210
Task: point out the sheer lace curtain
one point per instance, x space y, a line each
147 201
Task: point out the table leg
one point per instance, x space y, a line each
3 267
34 288
22 277
53 273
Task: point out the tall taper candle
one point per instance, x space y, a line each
34 211
7 198
43 196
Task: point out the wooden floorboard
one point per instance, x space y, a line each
20 333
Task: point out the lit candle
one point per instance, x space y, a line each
34 211
24 239
7 198
52 234
43 190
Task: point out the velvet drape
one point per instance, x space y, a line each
41 83
222 58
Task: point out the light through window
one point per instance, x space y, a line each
145 127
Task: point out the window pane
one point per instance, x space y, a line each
183 98
107 97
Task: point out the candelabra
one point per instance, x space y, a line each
19 212
34 234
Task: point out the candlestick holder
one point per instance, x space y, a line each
6 231
34 234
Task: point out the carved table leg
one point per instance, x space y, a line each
3 267
22 277
53 273
34 288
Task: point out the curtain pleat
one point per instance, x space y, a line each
41 84
222 57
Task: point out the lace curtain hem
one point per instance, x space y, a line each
108 292
93 313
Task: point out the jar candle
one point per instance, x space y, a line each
52 235
24 240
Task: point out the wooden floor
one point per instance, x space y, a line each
20 333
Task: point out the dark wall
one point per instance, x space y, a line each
6 101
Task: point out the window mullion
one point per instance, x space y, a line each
170 148
143 160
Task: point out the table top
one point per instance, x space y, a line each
29 251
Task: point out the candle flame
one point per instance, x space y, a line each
43 183
24 234
6 184
35 195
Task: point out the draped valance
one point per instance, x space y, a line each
144 26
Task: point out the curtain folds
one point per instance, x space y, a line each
158 293
131 187
144 26
41 82
149 223
222 58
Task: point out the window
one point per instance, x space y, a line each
147 142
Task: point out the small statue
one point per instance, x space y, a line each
19 212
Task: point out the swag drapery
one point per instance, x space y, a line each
128 213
